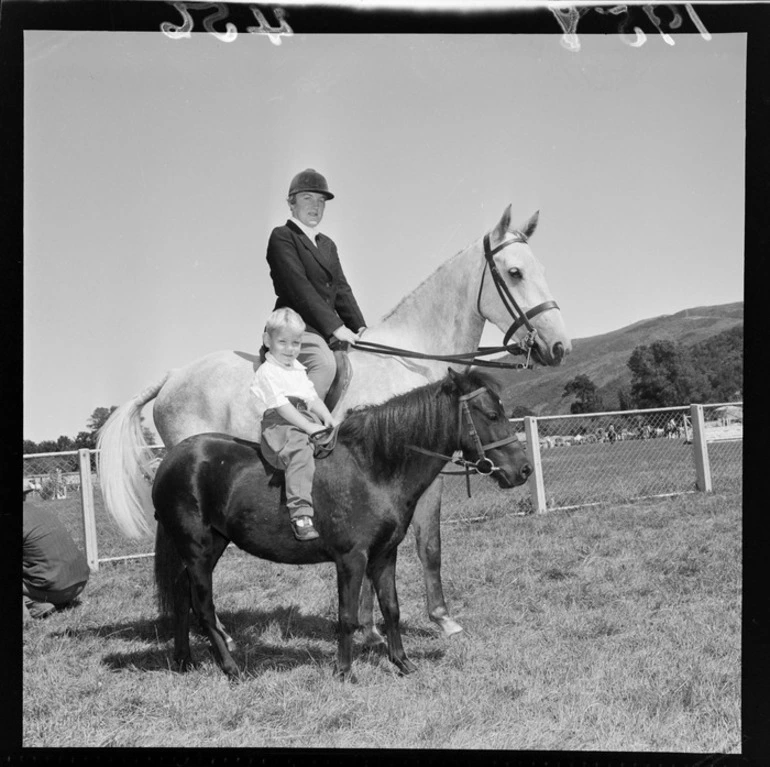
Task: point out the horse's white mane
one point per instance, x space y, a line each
430 277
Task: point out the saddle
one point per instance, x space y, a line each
342 376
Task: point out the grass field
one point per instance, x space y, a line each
613 628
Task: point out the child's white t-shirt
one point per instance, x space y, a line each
273 384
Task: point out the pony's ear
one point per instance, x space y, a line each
454 380
529 228
502 225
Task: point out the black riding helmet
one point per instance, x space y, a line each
310 180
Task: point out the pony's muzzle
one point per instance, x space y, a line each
514 479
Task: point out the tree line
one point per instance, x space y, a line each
84 439
670 374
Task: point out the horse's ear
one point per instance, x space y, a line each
501 229
529 228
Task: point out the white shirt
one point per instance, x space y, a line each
273 384
309 232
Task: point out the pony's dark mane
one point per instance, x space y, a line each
426 417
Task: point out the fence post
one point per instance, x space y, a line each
536 486
700 450
87 500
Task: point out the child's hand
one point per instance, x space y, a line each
331 421
315 427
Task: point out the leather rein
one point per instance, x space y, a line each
524 346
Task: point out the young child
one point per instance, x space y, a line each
286 405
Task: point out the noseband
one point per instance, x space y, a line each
482 464
509 302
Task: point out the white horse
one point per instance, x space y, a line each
444 315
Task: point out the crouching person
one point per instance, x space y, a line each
54 569
289 411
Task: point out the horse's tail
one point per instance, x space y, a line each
124 464
168 569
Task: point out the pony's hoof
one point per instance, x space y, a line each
345 676
405 667
448 626
183 665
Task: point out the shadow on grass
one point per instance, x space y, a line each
254 654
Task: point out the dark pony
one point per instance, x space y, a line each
212 489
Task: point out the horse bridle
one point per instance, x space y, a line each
519 317
482 465
509 302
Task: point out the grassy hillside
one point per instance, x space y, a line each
603 358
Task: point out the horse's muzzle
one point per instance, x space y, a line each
552 357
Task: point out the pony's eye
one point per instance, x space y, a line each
492 416
515 273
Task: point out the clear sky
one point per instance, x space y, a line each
155 170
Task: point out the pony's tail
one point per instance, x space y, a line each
124 464
168 569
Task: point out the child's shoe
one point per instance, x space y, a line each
304 529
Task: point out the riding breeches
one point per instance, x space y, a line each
319 360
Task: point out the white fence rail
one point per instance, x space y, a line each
579 460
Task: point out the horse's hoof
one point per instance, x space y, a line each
233 675
230 644
448 626
373 639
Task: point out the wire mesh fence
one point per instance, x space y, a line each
617 457
595 458
52 475
724 434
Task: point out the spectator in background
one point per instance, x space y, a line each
54 569
27 488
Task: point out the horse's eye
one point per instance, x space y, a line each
492 416
515 273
